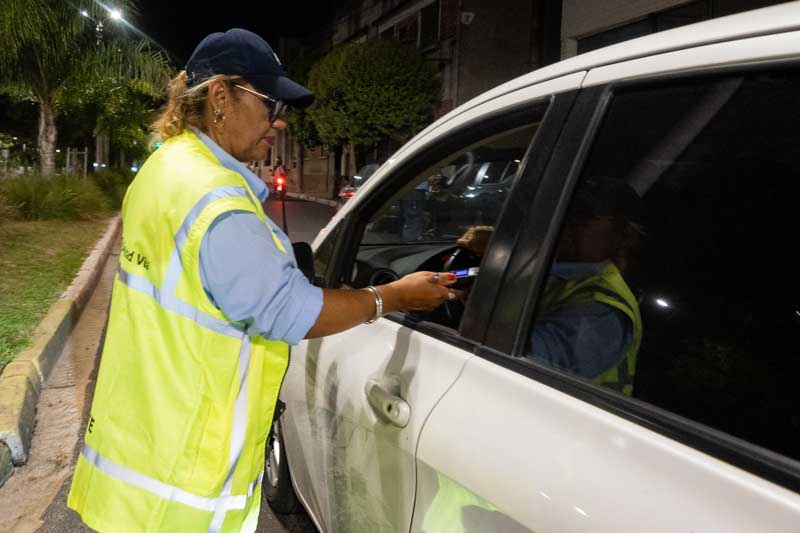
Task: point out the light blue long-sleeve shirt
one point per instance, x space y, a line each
585 338
245 274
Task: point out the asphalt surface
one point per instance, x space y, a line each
304 220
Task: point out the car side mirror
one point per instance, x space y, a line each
305 259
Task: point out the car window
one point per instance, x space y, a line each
465 190
419 226
673 279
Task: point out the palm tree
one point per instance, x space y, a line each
49 45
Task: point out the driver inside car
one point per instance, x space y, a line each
588 321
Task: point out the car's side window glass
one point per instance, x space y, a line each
423 225
673 279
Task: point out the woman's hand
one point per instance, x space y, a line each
344 308
419 291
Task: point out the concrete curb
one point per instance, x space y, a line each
22 379
308 197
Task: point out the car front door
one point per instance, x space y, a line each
357 401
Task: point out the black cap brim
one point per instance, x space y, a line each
283 89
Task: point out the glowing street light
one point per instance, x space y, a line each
115 14
662 303
84 13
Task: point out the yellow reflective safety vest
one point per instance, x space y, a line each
184 397
608 287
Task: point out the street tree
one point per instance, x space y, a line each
110 106
372 90
46 46
300 124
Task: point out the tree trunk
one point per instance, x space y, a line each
299 154
353 166
47 138
338 155
102 143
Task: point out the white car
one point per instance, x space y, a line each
493 415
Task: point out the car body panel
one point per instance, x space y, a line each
358 471
753 50
564 465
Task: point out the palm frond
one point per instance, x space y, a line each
123 60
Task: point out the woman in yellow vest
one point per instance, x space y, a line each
207 299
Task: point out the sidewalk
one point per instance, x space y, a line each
311 198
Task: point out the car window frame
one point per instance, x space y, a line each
548 110
529 264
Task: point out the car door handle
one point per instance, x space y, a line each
383 397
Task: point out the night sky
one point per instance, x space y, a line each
178 25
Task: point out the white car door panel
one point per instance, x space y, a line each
359 460
552 463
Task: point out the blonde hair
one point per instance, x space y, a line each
185 106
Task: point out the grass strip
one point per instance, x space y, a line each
38 260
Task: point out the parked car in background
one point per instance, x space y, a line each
354 183
475 417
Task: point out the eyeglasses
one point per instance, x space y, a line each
276 108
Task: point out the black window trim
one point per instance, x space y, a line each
590 108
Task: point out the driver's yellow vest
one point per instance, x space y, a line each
608 287
184 397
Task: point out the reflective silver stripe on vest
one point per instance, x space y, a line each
238 431
175 267
172 303
161 489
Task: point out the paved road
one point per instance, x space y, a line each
304 220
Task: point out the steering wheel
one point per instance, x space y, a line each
460 258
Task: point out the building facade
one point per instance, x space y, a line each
587 25
473 45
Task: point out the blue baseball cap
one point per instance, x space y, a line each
239 52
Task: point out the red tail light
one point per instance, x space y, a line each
280 181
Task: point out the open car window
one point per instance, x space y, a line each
419 226
467 189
